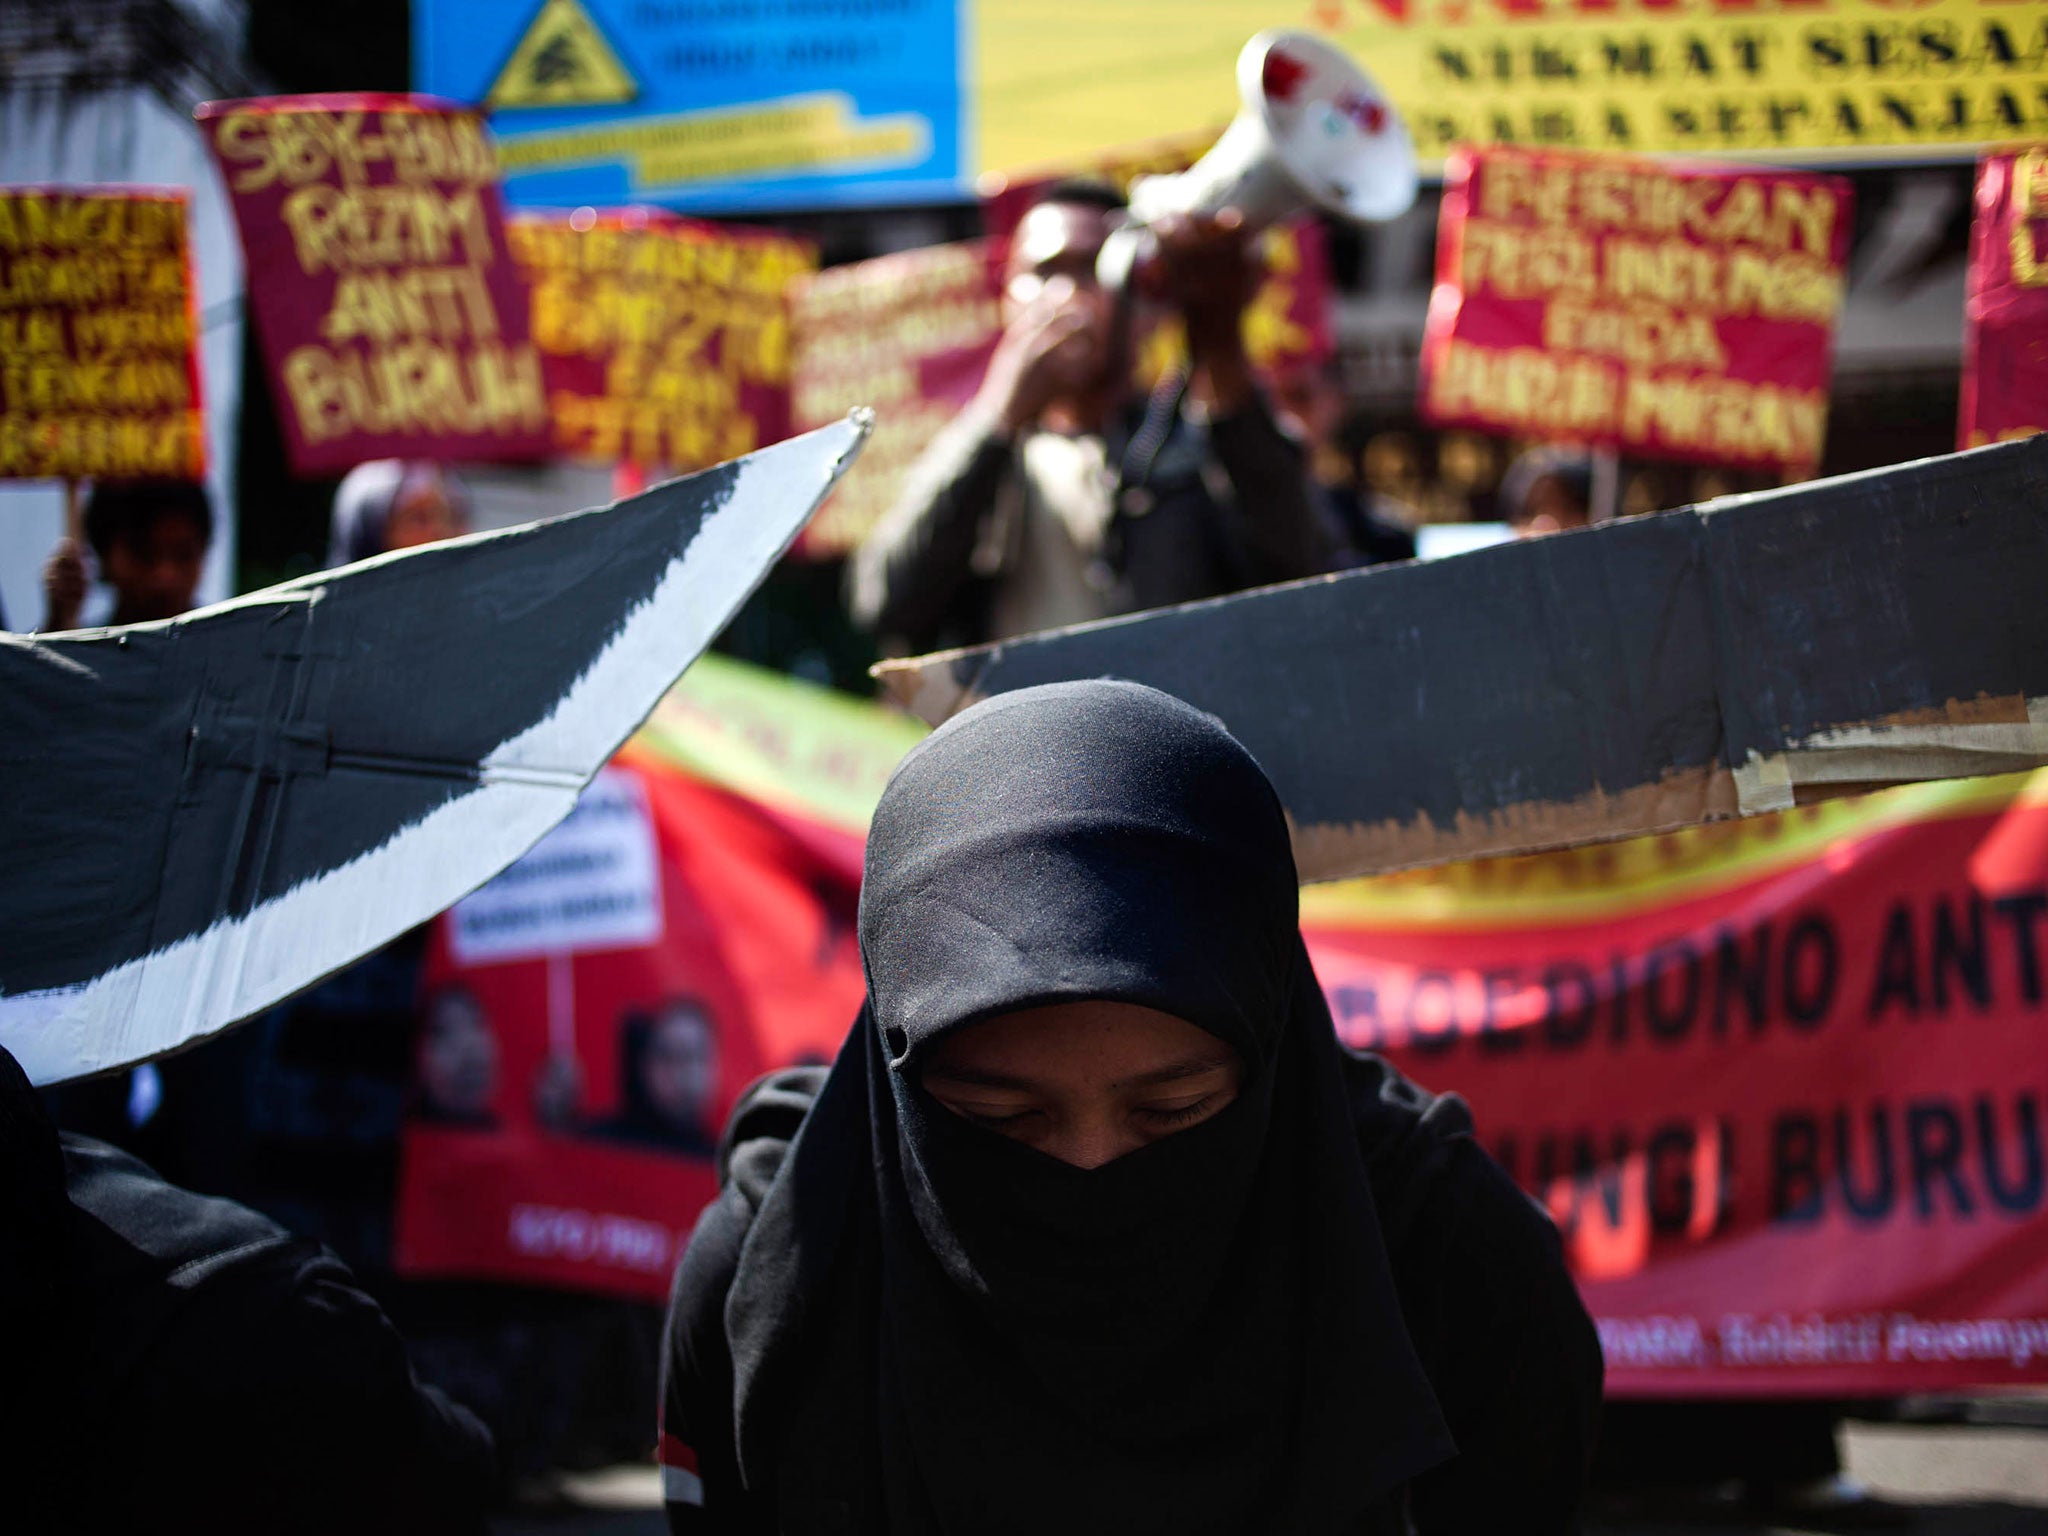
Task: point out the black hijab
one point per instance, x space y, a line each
1202 1335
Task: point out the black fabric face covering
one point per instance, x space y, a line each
1199 1336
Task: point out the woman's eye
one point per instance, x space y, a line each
997 1119
1181 1114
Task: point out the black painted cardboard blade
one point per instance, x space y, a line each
1634 677
204 816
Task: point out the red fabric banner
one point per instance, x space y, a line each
393 320
1779 1080
99 328
2005 312
1665 311
664 340
589 1017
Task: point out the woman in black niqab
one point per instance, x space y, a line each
921 1325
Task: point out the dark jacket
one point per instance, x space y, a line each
1218 507
178 1363
1493 1314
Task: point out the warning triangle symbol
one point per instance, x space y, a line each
562 61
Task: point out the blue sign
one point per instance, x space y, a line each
709 106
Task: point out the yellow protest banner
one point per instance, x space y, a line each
908 334
1805 79
99 373
664 340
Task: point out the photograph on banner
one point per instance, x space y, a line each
664 341
393 321
588 1018
1823 80
1778 1081
1659 310
715 109
2005 311
909 334
99 358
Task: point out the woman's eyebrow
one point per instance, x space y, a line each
1193 1066
976 1077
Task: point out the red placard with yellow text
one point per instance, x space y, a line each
99 361
2005 324
1664 311
393 319
909 334
665 340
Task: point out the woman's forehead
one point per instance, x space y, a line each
1096 1041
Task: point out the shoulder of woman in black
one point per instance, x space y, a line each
1491 1309
696 1366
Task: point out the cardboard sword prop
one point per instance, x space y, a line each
1633 677
207 815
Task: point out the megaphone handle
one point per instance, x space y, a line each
1141 453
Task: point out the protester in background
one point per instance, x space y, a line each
392 504
1094 1226
182 1364
668 1080
150 538
458 1061
1062 494
1547 490
1365 528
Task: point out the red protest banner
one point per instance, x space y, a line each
1676 312
1779 1081
589 1017
2005 330
393 321
99 360
910 335
665 340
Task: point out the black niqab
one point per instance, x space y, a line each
1202 1335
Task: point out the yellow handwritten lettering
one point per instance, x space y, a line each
340 229
415 386
2029 203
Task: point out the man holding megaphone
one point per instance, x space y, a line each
1064 493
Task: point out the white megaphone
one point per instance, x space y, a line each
1314 131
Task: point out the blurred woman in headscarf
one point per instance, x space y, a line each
392 504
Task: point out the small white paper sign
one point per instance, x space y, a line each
594 882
